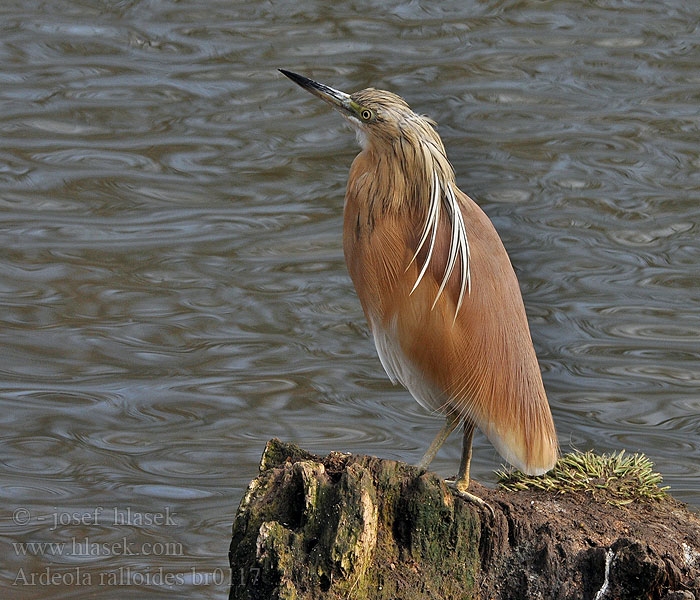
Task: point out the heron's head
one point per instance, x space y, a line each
379 117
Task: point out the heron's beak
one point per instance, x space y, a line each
337 99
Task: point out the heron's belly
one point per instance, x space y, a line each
401 369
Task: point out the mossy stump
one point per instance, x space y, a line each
358 527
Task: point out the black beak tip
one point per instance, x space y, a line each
296 78
292 76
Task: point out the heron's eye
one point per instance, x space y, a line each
366 114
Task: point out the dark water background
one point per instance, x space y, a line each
172 282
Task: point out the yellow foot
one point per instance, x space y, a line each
465 495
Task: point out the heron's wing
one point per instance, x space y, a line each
482 364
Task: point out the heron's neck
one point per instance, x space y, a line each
398 175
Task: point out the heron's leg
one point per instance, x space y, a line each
450 424
461 484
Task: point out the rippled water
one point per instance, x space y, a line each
172 282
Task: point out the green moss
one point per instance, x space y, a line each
616 479
442 535
276 453
366 529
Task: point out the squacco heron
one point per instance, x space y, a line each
437 286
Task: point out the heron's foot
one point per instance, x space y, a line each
460 487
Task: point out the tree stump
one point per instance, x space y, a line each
359 527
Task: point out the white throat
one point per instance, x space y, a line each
360 133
